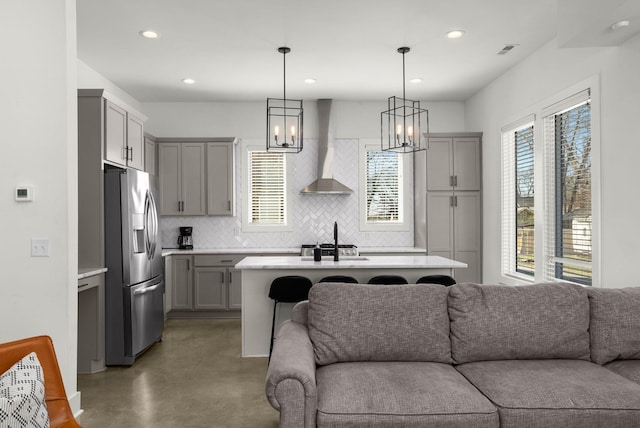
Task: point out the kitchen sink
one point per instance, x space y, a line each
330 258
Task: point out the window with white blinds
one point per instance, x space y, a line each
568 214
384 191
385 181
267 188
518 197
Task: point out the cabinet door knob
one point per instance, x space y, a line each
455 181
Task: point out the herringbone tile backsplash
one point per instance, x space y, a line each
313 215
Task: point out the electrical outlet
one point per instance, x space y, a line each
39 247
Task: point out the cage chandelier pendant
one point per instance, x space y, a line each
284 118
404 124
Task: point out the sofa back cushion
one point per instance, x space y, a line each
614 324
362 322
540 321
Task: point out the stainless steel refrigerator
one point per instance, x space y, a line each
134 293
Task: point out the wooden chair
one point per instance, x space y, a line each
60 415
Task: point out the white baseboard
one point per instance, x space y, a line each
75 403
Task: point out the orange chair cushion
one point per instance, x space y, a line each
60 415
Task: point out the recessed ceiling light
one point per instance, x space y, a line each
455 34
149 34
188 81
416 80
310 80
620 24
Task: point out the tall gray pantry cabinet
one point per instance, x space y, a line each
448 202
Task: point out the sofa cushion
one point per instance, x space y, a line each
614 324
392 394
360 322
558 393
629 369
495 322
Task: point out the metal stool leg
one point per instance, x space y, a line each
273 327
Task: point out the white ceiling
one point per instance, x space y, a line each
350 46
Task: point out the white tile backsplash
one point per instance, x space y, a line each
313 215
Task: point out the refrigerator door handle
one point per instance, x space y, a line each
147 225
154 222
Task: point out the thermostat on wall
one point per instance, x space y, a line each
24 193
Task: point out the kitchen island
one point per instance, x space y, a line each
258 272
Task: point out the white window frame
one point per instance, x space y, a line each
405 180
509 238
247 226
542 256
550 233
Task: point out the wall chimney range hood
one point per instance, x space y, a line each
325 184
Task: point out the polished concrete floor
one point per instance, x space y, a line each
194 378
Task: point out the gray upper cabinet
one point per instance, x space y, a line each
197 176
115 135
119 129
182 178
150 159
135 142
220 179
453 163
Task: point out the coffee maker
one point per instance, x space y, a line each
185 241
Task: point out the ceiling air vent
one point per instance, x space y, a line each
505 50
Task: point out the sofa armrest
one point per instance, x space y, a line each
291 378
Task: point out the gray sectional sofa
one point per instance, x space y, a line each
543 355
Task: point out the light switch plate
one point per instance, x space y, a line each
39 247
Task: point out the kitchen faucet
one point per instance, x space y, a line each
335 242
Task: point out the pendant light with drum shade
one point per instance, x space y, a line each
284 119
403 124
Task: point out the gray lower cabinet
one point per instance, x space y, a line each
205 285
210 288
91 324
453 230
181 282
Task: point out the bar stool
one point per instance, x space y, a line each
445 280
388 279
287 289
340 278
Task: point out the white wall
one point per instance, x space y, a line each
88 78
38 295
248 119
544 74
313 216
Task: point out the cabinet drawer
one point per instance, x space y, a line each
217 259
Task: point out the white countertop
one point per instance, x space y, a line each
363 262
287 250
171 251
87 272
